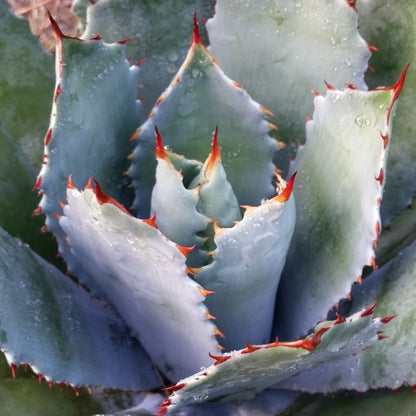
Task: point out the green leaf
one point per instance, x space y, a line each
338 191
24 109
144 276
356 404
88 135
24 396
390 27
199 98
246 268
72 337
254 369
280 50
390 362
161 34
26 85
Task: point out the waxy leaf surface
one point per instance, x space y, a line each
390 27
245 272
337 203
254 369
88 136
200 98
144 276
72 338
280 50
161 35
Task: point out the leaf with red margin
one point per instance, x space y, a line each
88 134
338 192
199 98
254 369
281 50
246 268
52 324
144 276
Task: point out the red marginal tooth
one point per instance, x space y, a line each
387 319
215 155
175 387
44 229
205 292
209 316
103 198
70 184
24 367
250 348
57 92
167 402
351 3
330 87
160 150
37 211
124 41
37 183
340 319
273 344
218 332
369 310
135 135
315 93
151 221
50 384
219 359
285 194
385 138
373 263
380 177
378 228
237 84
40 378
372 48
360 280
266 111
96 37
196 37
48 137
13 368
162 411
185 250
380 337
140 62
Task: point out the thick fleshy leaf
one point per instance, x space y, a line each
26 84
390 27
199 98
158 32
216 196
144 276
291 47
389 363
173 204
72 337
257 367
401 402
24 395
88 135
246 268
338 192
24 109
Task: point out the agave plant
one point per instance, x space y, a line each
212 257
